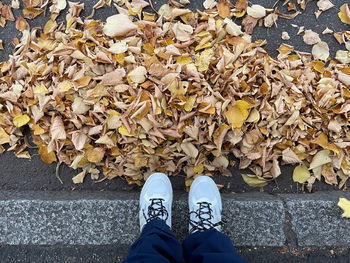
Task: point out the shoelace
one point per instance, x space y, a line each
204 215
156 210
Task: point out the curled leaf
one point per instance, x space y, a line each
254 181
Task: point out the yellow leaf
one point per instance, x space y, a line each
4 137
70 22
344 14
50 26
301 174
95 155
318 66
37 129
184 60
239 14
140 161
24 155
345 205
41 89
79 178
199 169
234 116
285 49
253 180
21 120
189 103
322 140
31 12
178 88
203 59
243 106
64 86
47 157
124 131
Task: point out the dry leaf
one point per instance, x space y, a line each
241 5
31 12
21 120
301 174
324 5
182 32
138 75
249 23
344 14
79 178
7 13
189 149
57 129
321 158
95 155
118 25
224 8
310 37
4 137
232 28
209 4
21 24
270 20
288 156
256 11
254 181
321 51
285 35
345 205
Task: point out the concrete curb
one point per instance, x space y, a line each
111 218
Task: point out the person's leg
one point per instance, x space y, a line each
206 243
210 246
157 243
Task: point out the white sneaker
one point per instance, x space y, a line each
205 205
156 199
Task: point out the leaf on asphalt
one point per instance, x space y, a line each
254 181
301 174
320 51
310 37
324 5
344 204
256 11
79 178
344 14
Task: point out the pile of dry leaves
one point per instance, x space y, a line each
177 90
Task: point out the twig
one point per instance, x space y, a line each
151 4
58 172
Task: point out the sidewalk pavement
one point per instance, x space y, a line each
111 218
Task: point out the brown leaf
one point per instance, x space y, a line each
249 23
224 8
241 5
7 13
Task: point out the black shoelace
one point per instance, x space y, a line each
156 210
204 215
